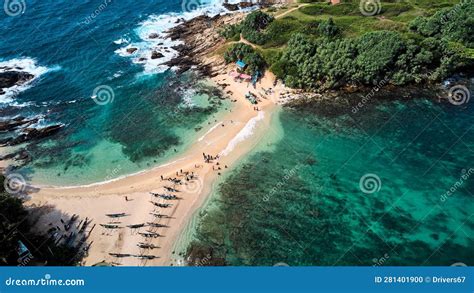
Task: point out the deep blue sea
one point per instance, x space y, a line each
122 111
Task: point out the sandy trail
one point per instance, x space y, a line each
131 195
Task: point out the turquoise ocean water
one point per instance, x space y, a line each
340 188
78 51
298 200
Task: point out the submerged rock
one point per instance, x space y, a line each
13 124
28 134
153 36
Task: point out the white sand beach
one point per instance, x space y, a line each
238 132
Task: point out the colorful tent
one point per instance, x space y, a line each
245 76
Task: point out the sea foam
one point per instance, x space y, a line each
28 65
243 134
159 25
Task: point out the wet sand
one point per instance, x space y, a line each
233 137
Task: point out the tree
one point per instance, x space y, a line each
377 51
246 53
328 28
12 220
254 24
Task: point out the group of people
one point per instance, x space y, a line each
171 179
209 158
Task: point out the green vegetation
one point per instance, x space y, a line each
15 227
454 24
322 46
247 54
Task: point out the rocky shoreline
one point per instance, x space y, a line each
197 50
20 130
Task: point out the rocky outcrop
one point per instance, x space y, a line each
12 78
197 50
131 50
231 7
22 157
156 55
28 134
13 124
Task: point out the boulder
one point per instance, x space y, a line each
33 133
231 7
13 124
12 78
153 36
156 55
131 50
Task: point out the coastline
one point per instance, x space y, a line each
240 131
94 201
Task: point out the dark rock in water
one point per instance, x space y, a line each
244 5
13 124
156 55
231 7
141 59
12 78
131 50
31 134
20 156
153 36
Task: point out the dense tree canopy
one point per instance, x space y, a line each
382 55
454 24
14 227
12 216
247 54
253 25
323 53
